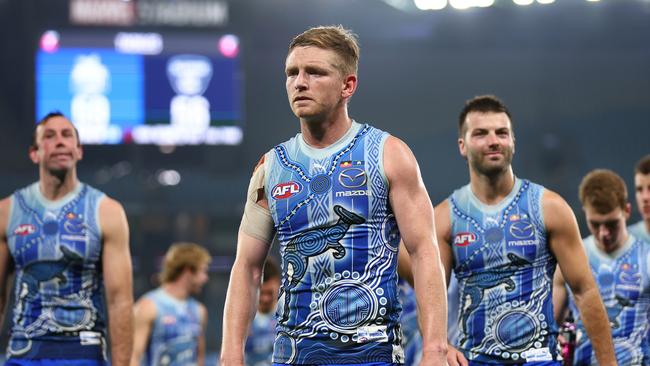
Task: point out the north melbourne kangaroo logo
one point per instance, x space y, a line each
477 284
45 270
310 244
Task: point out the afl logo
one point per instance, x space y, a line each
464 239
353 178
285 190
25 229
522 230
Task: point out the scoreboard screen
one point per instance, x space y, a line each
143 88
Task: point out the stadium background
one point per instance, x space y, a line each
574 73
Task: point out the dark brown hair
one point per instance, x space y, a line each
643 165
483 104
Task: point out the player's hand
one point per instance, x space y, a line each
455 357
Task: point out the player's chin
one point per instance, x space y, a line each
61 166
303 112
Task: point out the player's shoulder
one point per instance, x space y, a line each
146 307
398 153
393 142
5 203
203 310
553 200
110 206
556 211
5 207
442 206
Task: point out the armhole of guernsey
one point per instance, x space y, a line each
540 204
9 224
382 144
647 262
98 220
268 158
450 209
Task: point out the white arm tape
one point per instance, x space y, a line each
257 221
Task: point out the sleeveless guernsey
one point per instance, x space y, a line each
56 247
175 332
623 278
505 271
338 239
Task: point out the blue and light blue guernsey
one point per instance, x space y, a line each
175 332
259 344
409 322
56 247
504 270
623 278
338 238
639 230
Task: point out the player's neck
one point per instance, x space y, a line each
647 225
321 133
176 290
56 186
492 189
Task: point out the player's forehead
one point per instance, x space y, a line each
641 180
311 56
55 124
597 217
487 120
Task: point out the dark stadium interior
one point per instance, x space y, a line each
575 75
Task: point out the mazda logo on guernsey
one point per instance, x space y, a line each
464 239
353 178
285 190
522 230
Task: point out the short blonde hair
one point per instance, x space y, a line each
335 38
181 256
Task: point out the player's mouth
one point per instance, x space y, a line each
301 98
60 156
491 154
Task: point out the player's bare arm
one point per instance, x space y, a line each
443 234
145 314
6 263
203 313
253 244
566 244
414 213
118 280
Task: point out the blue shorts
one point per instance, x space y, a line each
53 362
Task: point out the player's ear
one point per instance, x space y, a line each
461 147
349 86
33 154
